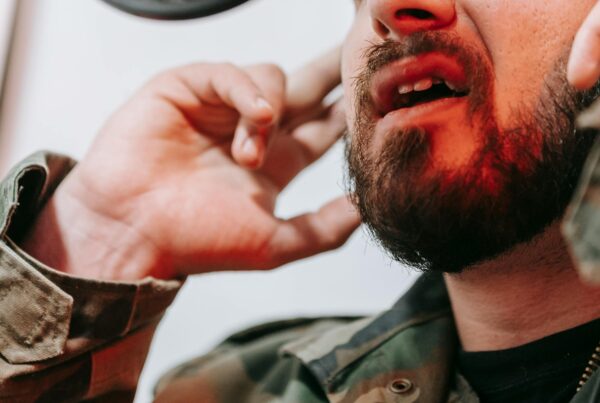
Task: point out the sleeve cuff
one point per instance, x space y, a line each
42 309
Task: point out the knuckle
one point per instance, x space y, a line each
226 66
163 83
176 74
163 78
273 69
233 74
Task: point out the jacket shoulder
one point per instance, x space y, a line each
251 366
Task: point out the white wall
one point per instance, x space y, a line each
76 60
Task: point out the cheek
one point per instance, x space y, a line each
525 47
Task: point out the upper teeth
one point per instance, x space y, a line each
406 88
424 84
421 85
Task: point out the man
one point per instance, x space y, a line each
462 154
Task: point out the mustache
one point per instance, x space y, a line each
476 63
451 44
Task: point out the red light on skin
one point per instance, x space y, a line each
455 137
410 70
523 148
520 150
452 141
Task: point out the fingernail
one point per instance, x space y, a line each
249 147
262 103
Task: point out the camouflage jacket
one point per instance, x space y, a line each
70 339
402 355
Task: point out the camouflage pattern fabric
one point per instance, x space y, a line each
402 355
65 339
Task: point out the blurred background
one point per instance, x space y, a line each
67 64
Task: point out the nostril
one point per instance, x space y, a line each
381 29
416 13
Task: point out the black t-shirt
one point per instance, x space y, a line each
543 371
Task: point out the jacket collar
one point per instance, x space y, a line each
336 355
369 353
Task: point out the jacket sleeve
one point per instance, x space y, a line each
64 338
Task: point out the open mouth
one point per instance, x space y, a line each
417 81
425 91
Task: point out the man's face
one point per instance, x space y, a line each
462 141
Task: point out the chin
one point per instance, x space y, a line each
447 186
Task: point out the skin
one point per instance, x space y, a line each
200 196
535 30
533 290
184 177
584 63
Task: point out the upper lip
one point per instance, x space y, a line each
405 73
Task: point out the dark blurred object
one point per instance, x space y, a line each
174 9
581 225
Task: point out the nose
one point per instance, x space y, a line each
393 19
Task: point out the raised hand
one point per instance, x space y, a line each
184 177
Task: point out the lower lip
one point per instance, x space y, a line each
423 115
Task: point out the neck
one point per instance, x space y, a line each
526 294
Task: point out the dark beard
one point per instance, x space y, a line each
519 182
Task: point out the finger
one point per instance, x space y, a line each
308 86
215 84
315 137
584 63
250 144
305 144
316 112
251 140
313 233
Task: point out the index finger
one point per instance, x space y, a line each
584 63
309 85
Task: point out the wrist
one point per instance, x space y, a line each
71 237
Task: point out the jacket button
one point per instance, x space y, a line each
400 386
